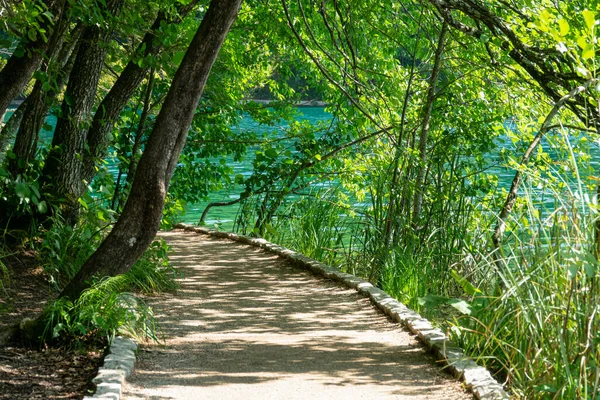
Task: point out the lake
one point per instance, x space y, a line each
224 216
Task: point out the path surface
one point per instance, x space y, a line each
246 325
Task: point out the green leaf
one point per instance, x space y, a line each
572 270
32 35
42 207
589 18
58 328
432 300
178 57
271 153
461 305
563 26
83 203
271 230
22 190
318 157
588 52
466 285
5 43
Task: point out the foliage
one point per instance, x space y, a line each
102 311
110 307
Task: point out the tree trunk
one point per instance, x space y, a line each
139 133
423 137
115 100
26 59
139 222
9 129
511 198
40 100
64 163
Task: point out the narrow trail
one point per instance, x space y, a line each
247 325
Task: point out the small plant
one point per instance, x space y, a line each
110 306
64 249
152 273
102 311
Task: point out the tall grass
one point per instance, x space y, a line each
316 225
530 313
538 323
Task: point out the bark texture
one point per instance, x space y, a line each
40 100
115 100
20 67
139 222
64 165
9 130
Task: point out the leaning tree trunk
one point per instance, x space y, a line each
40 100
9 130
139 222
26 59
64 166
115 100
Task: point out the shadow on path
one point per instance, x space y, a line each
245 324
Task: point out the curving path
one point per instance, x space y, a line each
247 325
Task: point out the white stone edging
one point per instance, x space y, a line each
118 366
476 378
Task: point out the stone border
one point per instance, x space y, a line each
118 366
476 378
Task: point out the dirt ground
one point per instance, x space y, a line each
50 373
247 325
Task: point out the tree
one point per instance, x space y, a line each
64 164
47 28
139 222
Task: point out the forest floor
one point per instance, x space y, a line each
247 324
31 373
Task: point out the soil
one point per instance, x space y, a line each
32 373
246 324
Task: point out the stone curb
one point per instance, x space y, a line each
118 366
476 378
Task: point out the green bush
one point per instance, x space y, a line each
102 311
110 306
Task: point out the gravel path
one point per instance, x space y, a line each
247 325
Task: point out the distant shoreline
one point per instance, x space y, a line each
302 103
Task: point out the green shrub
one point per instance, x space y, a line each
110 306
102 311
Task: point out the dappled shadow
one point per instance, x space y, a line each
246 324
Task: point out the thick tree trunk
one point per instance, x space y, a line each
64 163
139 222
40 100
26 59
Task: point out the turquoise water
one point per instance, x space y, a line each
224 216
